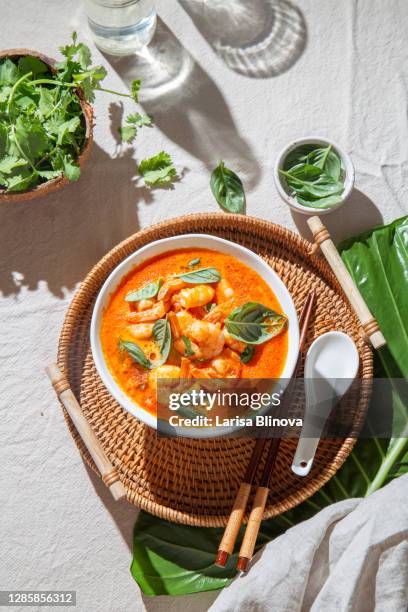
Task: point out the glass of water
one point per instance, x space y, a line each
121 27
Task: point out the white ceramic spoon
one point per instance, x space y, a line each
330 368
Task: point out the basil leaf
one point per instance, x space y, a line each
312 202
135 353
247 354
227 189
146 292
254 323
327 160
194 262
162 335
201 276
189 349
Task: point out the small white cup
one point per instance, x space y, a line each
346 163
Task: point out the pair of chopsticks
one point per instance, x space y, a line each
235 520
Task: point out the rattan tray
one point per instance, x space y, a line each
189 481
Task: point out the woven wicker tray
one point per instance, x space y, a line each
189 481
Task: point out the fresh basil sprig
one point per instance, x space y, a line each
135 353
227 189
254 323
146 292
314 176
162 335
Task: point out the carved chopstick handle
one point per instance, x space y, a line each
236 517
252 529
370 325
109 473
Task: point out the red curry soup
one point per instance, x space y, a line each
191 313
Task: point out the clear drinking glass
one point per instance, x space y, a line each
121 27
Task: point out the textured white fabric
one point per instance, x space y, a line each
352 556
59 527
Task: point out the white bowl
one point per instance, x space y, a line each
346 163
171 244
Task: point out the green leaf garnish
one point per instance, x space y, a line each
201 276
227 189
146 292
189 349
209 307
314 176
132 122
135 353
162 335
194 262
158 170
247 354
254 323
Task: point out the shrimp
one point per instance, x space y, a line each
169 287
180 322
220 312
224 291
191 297
144 305
236 345
141 331
225 365
209 336
152 314
164 371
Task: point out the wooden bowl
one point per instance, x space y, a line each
60 181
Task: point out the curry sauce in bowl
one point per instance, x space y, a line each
192 306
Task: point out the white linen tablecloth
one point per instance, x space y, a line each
59 526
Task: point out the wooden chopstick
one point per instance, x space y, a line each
109 473
236 517
255 518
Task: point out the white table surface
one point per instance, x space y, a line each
59 526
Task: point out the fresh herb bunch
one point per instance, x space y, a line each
42 126
314 176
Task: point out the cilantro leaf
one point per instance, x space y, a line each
129 131
9 163
72 171
30 138
158 170
32 64
8 72
139 120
